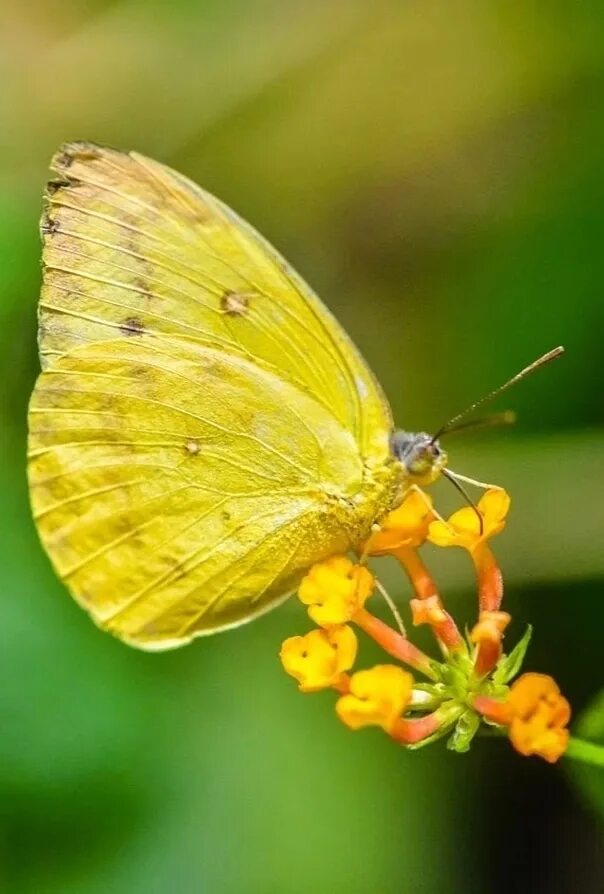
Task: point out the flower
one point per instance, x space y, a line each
487 635
463 527
430 610
401 533
334 590
535 713
539 714
469 685
377 697
319 659
405 526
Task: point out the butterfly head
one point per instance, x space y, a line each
421 456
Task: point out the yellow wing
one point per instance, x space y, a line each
180 490
132 247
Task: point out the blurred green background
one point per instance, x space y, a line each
436 170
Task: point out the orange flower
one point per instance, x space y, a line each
335 590
430 610
405 526
463 527
487 634
319 659
377 697
539 716
463 689
401 532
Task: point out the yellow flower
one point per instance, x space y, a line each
463 527
405 526
377 697
539 714
335 590
320 658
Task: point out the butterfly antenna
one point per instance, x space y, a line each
508 417
551 355
450 476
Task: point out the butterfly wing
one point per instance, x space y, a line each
132 247
180 490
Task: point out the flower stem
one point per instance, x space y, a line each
490 581
585 752
418 574
394 643
491 709
410 731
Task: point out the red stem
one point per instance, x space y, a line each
394 643
448 633
487 656
408 732
417 572
490 581
498 712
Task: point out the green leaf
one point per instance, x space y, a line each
590 779
464 732
509 665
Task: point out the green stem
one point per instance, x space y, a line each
586 752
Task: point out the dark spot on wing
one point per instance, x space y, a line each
63 160
132 326
139 372
143 287
48 226
57 183
235 304
68 154
226 516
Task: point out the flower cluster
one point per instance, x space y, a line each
469 685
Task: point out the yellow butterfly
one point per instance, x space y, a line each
203 431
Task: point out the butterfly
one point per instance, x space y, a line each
203 431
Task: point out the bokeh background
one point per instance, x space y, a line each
436 170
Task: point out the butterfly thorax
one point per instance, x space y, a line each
374 495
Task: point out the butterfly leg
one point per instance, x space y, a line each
366 551
363 559
391 605
482 484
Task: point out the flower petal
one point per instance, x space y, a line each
539 716
377 697
407 525
318 659
335 590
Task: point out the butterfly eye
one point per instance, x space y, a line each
420 455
